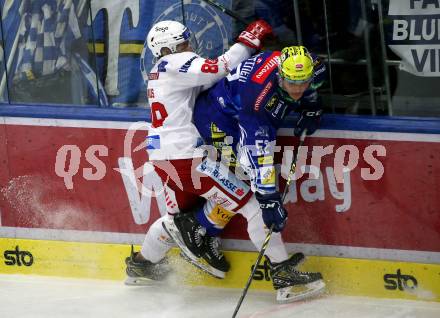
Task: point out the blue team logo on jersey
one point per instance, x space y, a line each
153 142
161 66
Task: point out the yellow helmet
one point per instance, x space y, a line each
296 64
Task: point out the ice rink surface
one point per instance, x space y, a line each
34 296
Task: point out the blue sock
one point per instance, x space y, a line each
211 229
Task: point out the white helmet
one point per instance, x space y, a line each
166 34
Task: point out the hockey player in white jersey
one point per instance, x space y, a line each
174 82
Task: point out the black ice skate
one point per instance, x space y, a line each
190 232
145 272
214 256
189 235
293 285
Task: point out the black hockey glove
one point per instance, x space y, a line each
309 120
273 210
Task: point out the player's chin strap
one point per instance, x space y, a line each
269 234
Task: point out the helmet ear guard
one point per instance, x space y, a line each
296 65
166 34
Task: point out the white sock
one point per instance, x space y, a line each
157 242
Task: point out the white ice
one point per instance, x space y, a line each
34 296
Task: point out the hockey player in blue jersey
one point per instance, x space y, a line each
250 104
247 107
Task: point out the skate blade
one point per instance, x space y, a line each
201 264
139 281
300 292
172 231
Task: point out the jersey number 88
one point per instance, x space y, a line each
210 66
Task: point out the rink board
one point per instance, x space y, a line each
75 178
87 179
344 276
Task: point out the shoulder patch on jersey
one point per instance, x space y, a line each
153 76
268 66
185 67
272 102
261 96
161 66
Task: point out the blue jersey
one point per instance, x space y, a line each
249 106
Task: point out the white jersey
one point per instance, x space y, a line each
173 85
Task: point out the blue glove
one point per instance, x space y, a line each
273 210
309 120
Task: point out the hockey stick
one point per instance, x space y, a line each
268 236
293 165
257 262
231 13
